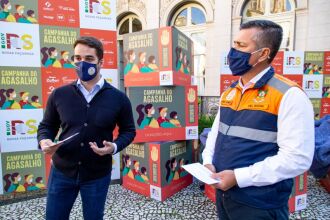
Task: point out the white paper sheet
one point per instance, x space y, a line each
200 172
66 139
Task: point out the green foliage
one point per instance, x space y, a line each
205 121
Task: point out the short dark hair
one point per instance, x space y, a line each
30 12
91 42
270 36
3 3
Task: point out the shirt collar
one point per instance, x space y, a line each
254 79
99 83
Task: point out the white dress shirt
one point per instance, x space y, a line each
295 138
89 95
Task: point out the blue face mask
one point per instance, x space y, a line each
86 71
239 61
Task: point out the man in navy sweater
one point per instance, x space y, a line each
91 107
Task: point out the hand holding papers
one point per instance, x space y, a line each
201 173
65 140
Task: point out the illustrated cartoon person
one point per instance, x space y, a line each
12 183
171 173
144 175
174 119
126 166
31 17
326 93
131 66
309 67
35 101
149 121
29 186
11 103
142 64
49 57
186 69
39 183
136 171
65 61
24 102
5 15
2 97
19 15
179 57
152 63
162 120
181 171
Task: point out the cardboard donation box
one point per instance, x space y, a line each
155 169
164 113
158 57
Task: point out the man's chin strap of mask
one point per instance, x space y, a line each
258 61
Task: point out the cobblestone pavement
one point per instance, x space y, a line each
187 204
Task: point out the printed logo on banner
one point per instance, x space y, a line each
59 13
327 62
293 62
224 64
166 78
192 132
98 14
54 78
19 45
23 171
325 107
301 202
109 41
312 84
111 76
155 193
277 63
18 129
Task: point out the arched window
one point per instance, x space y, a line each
187 15
279 11
129 24
191 20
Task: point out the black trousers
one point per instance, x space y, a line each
229 209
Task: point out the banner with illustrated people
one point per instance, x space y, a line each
23 171
36 57
158 57
164 113
155 169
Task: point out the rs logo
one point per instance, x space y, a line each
97 7
19 127
14 41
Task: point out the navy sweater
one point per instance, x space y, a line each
68 109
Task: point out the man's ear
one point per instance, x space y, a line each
101 62
265 54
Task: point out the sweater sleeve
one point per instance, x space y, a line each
126 126
50 124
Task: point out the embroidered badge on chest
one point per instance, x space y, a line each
261 96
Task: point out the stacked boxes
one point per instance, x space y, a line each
158 57
157 74
154 169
